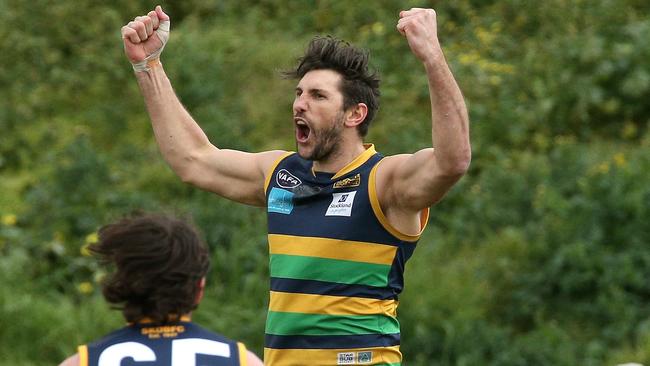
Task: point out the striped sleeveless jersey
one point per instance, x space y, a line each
336 266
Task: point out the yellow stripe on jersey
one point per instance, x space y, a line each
83 355
370 356
331 249
330 305
243 355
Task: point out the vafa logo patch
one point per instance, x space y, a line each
287 180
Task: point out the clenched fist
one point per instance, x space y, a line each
145 37
420 28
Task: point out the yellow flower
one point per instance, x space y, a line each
495 80
84 250
619 160
9 219
469 58
378 28
92 238
85 288
603 168
629 130
484 36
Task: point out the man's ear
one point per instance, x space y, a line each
355 115
199 294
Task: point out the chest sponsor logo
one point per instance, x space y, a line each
364 357
345 358
280 201
341 204
348 182
287 180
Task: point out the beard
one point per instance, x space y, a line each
326 141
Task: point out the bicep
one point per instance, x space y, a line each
232 174
413 181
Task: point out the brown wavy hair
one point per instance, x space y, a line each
359 85
157 262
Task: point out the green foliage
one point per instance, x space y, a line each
538 257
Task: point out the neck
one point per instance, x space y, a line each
170 318
340 158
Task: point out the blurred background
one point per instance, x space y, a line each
539 256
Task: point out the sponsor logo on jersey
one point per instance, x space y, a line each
341 204
345 358
349 182
167 331
280 201
364 357
287 180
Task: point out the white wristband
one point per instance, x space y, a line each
163 35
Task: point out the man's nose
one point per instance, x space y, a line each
299 104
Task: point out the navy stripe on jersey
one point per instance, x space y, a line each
396 275
314 287
331 342
328 229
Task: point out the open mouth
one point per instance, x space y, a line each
302 130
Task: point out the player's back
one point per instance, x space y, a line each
181 343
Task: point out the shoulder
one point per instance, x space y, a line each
271 156
71 361
252 359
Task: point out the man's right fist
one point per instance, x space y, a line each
145 37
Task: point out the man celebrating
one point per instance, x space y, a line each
158 273
343 220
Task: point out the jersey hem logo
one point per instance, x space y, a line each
352 358
345 358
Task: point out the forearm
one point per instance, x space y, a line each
179 137
449 117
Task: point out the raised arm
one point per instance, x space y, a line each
235 175
409 183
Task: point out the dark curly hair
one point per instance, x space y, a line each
360 85
157 263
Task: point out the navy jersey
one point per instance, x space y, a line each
336 266
172 344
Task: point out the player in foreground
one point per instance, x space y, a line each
158 273
342 219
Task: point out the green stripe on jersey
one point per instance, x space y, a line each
280 323
329 270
